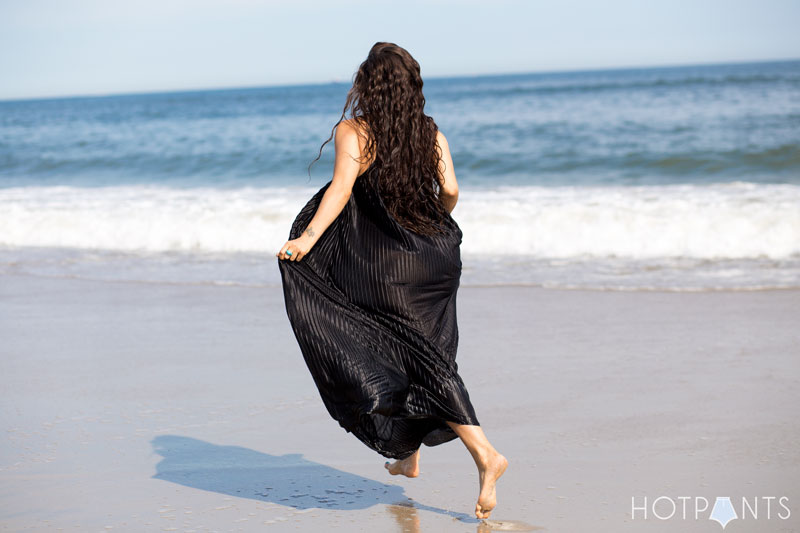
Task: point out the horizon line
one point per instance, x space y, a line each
336 81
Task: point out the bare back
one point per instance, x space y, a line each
446 172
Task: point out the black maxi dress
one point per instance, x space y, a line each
373 308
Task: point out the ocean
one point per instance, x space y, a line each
671 178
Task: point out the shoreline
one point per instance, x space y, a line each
463 286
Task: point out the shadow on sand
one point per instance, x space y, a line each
288 480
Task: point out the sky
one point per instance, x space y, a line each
88 47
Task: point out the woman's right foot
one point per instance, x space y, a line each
489 471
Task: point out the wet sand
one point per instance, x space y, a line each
156 407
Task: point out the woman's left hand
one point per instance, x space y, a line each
298 248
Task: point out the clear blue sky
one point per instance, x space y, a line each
68 47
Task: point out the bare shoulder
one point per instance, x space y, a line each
354 126
347 128
353 134
346 140
441 139
449 181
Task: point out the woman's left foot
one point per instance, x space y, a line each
408 467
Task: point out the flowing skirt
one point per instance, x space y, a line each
373 308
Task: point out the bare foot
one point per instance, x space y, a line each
408 467
489 471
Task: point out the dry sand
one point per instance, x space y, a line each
156 407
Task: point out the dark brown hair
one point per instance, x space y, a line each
387 101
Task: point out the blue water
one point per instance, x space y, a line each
695 124
683 178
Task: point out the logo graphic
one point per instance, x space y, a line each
723 511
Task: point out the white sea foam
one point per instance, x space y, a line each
718 221
732 220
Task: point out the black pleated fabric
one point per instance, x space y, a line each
373 308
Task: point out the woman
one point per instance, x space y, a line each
370 275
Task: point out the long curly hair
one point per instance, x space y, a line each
386 101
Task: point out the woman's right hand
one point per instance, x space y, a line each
297 248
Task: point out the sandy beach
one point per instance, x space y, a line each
170 407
